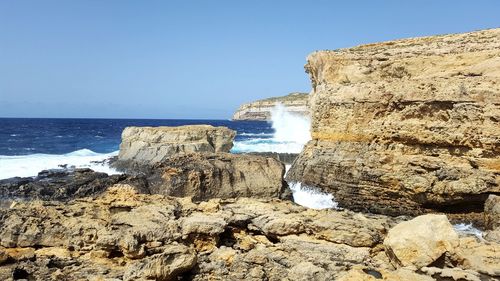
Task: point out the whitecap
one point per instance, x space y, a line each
30 165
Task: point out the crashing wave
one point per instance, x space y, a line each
311 198
30 165
291 133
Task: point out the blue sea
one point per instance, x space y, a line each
28 146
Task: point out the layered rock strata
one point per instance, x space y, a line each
218 175
261 110
149 145
123 235
407 126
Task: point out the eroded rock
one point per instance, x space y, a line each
220 175
149 145
407 126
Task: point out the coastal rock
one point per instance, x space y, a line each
483 258
261 110
63 185
149 145
125 235
218 175
408 126
492 212
420 241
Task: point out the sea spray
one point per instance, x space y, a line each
311 197
291 133
290 127
468 229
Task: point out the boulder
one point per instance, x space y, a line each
218 175
406 127
149 145
420 241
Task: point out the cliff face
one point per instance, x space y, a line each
407 126
261 110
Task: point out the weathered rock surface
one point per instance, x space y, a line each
124 235
129 236
407 126
63 185
217 175
420 241
148 145
492 212
492 218
261 110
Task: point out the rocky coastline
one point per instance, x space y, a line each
408 126
403 148
260 110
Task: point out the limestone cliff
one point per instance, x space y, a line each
261 110
407 126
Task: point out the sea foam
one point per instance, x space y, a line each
291 133
311 197
30 165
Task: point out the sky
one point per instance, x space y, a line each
191 59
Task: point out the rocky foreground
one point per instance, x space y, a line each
390 136
124 235
261 110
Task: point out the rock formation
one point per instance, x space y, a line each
218 175
261 110
124 235
492 218
193 161
64 185
148 145
407 126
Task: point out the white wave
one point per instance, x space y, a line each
311 197
291 133
289 126
30 165
256 134
468 229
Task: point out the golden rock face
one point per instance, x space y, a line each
407 126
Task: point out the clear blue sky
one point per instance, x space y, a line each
191 59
